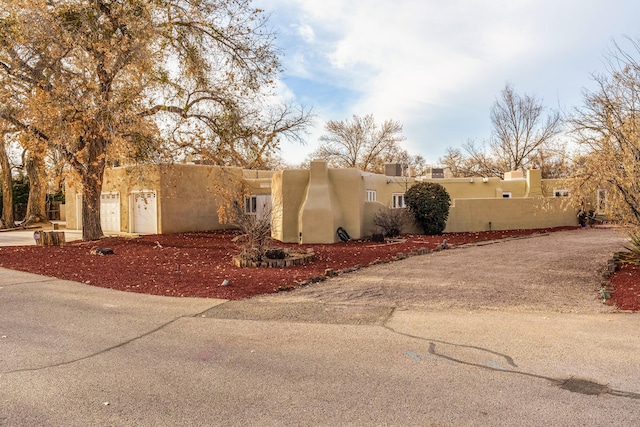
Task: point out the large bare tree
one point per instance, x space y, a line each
524 135
107 80
607 127
521 128
361 143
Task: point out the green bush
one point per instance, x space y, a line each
429 203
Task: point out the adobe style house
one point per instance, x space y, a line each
309 205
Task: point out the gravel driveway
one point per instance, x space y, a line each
556 272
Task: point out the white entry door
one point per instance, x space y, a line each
263 205
110 211
145 212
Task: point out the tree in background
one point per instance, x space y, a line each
607 127
33 161
429 203
474 161
521 128
524 135
361 143
106 81
8 219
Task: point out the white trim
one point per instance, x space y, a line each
251 204
397 201
372 196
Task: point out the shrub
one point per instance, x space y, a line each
255 240
429 203
390 221
632 253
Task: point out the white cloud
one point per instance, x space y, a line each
437 66
306 32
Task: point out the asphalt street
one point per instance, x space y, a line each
75 355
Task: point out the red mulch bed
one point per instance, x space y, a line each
625 285
196 264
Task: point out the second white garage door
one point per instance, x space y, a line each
144 212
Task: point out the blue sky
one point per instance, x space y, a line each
437 66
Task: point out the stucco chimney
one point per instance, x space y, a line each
534 183
319 214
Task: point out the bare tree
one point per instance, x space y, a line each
521 128
474 161
360 143
607 127
524 135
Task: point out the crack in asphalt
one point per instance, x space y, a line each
98 353
571 384
106 350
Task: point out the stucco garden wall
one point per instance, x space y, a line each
509 214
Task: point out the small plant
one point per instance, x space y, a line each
429 203
632 254
231 198
255 240
390 221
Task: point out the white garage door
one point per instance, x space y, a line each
110 211
145 212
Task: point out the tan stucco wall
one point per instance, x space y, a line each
188 197
550 185
186 193
478 201
310 205
288 189
348 187
509 214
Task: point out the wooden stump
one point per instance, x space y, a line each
49 238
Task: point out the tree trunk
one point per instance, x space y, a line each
91 191
7 220
37 204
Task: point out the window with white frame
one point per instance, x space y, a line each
561 193
250 205
371 196
602 200
397 200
